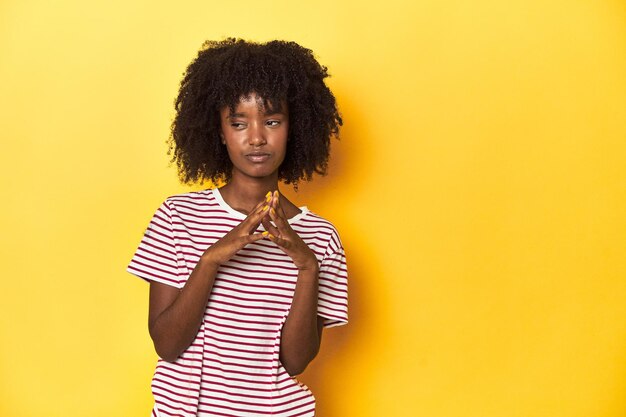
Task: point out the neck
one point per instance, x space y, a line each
243 193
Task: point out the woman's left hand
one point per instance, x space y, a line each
286 238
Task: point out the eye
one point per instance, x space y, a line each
237 125
272 123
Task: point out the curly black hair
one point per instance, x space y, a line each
278 72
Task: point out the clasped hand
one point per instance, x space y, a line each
245 232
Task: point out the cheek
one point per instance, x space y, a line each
231 139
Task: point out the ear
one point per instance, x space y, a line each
222 138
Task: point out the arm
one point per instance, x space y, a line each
176 315
302 331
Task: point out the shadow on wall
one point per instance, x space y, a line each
327 375
346 353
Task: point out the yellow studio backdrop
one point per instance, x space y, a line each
479 188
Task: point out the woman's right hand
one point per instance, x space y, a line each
232 242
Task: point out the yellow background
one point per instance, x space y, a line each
479 188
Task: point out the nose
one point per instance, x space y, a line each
256 136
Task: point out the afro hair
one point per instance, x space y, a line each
277 71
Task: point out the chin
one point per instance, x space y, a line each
260 174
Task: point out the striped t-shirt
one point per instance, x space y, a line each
232 368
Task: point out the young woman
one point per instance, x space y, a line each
242 281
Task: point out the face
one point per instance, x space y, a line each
255 137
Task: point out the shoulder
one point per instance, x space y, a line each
190 201
314 221
189 197
194 203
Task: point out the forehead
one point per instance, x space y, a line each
255 103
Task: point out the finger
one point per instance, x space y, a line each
279 207
275 198
252 238
259 216
269 227
278 216
281 222
252 222
283 243
258 209
261 203
253 219
270 201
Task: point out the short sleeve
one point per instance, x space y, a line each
333 285
156 258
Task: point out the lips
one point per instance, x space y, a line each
258 157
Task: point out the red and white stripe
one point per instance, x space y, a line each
232 368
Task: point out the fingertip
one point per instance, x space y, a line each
256 236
